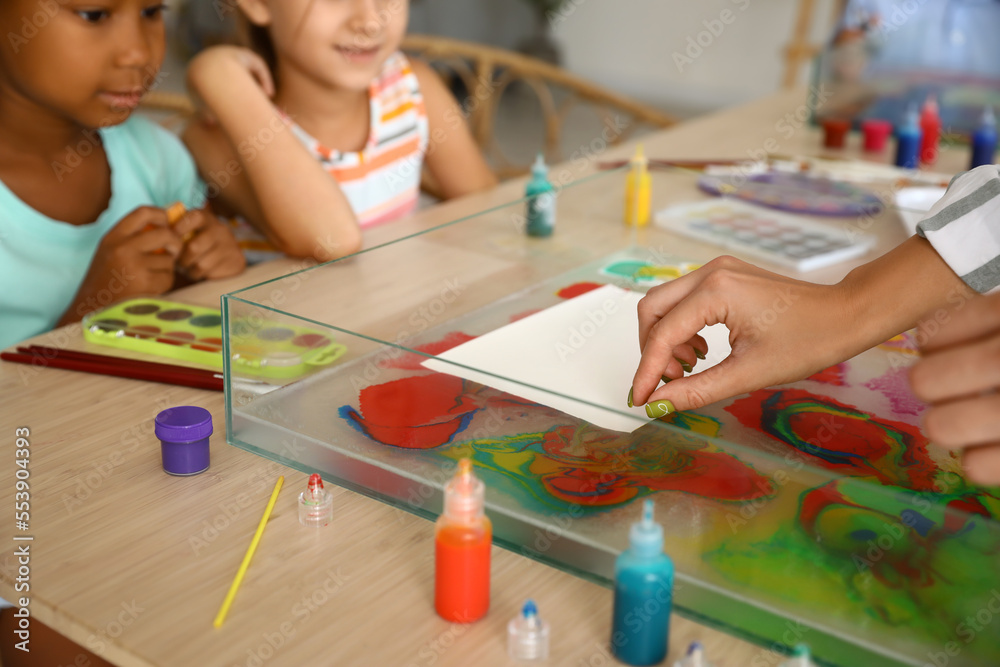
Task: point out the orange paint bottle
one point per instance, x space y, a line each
462 541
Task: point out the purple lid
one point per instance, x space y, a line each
185 423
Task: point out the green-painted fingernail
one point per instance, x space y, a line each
685 365
698 353
659 409
666 379
630 403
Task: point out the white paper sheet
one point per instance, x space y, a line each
586 347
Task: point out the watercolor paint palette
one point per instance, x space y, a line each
194 333
772 236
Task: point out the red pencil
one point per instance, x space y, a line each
100 364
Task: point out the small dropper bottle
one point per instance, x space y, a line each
315 504
528 635
637 186
984 140
541 212
644 585
695 657
462 540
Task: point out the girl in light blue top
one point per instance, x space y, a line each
83 186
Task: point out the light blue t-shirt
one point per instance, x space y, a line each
44 261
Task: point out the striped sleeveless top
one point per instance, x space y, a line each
382 181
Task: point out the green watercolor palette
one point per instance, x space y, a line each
194 333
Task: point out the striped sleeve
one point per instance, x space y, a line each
964 227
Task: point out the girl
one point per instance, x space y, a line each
783 330
83 185
340 146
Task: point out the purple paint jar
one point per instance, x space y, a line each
183 432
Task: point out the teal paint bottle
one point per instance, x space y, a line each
644 586
541 213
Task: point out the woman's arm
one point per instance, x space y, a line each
279 187
453 158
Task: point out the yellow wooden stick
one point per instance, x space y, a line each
221 616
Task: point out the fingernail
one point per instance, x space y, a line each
659 409
665 379
698 353
685 365
630 403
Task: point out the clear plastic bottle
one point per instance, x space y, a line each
315 504
528 635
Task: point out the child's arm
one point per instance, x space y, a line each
959 375
782 330
453 159
277 185
129 261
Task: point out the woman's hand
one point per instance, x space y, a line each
959 376
780 330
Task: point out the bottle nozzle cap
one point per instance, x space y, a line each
539 168
464 494
646 536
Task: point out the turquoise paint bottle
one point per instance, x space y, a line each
644 586
541 214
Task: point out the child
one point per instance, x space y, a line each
783 330
82 185
340 146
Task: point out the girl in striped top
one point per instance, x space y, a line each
323 128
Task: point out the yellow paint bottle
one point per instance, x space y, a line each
637 190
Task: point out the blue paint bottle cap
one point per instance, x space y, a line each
911 121
646 536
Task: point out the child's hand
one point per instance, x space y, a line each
210 250
137 256
780 330
959 376
216 65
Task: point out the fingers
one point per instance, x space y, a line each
982 464
976 317
137 221
731 377
192 222
157 239
959 371
965 423
259 71
213 253
674 329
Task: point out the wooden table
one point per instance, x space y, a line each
133 564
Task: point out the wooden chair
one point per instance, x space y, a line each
800 49
487 72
